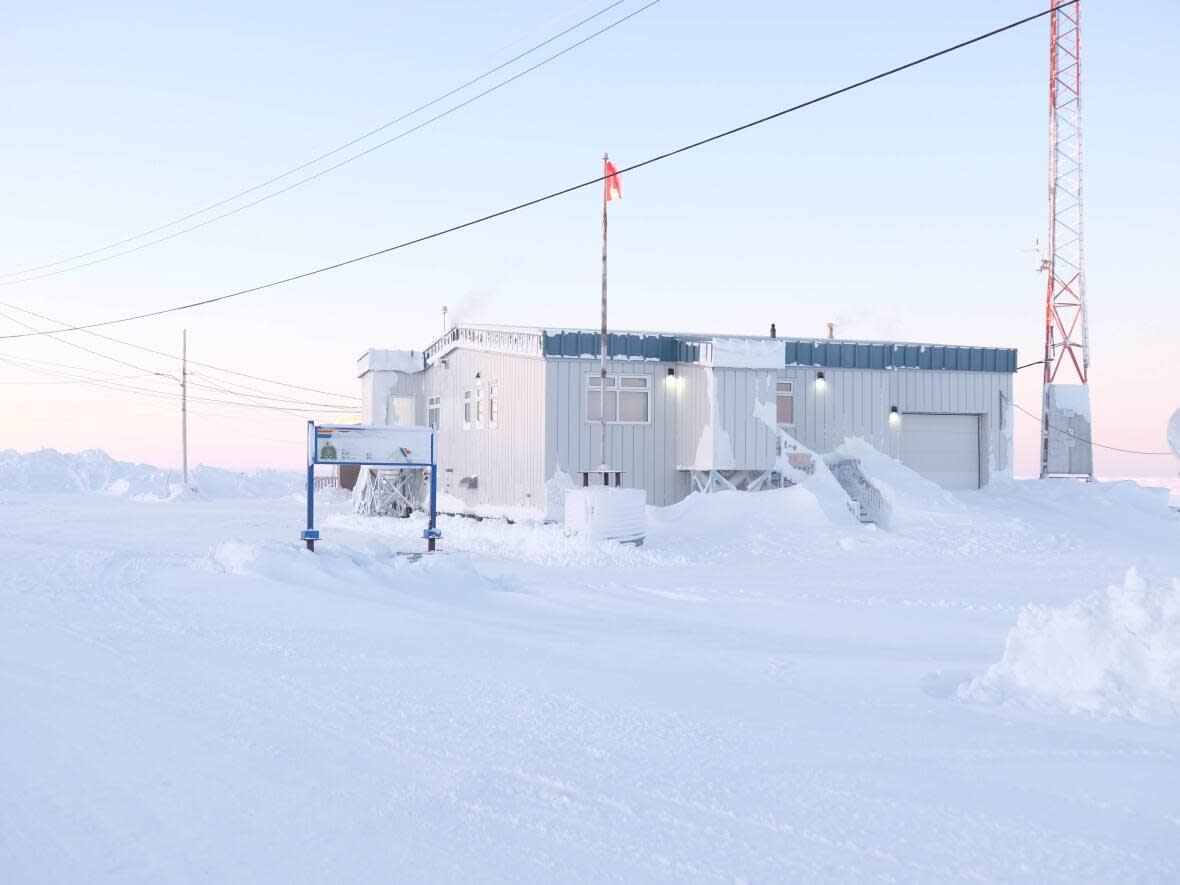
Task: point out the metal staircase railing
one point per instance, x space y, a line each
865 499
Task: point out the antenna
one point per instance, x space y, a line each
1065 426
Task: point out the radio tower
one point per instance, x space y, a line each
1065 428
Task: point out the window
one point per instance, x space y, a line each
628 399
479 410
784 403
434 411
467 408
493 405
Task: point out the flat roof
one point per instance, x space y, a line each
685 347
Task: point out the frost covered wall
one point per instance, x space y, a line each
717 429
646 453
484 464
1069 449
856 402
386 373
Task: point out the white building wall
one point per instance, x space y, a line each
857 402
542 425
645 453
508 460
718 429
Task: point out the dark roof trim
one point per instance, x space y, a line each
822 353
850 355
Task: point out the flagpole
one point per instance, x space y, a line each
602 341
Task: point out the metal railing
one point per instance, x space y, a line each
522 341
331 481
867 503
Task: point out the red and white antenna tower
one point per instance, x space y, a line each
1065 429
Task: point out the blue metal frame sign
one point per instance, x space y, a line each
370 446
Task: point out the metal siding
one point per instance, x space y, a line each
542 426
633 449
509 459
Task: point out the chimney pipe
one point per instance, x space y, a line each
772 332
831 330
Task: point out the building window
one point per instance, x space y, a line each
493 403
628 399
467 408
784 403
479 408
434 411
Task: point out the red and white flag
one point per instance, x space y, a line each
614 183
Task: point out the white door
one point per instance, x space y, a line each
943 448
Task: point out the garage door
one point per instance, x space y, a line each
943 448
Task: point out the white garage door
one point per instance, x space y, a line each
943 448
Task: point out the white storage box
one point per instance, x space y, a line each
607 514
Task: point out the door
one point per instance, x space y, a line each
942 448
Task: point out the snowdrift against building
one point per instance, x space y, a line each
1115 653
49 470
910 497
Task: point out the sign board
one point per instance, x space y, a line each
374 446
369 446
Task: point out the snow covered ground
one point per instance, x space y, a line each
766 691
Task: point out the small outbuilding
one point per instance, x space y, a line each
518 409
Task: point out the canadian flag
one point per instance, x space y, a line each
614 184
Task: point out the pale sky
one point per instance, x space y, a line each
907 210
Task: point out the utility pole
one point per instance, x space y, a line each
603 337
184 405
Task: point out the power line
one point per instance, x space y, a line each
53 334
165 394
343 407
294 404
332 168
1089 441
170 356
66 377
572 188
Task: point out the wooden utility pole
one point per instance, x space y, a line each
184 405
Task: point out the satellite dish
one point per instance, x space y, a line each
1174 432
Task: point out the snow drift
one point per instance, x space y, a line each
909 496
1115 653
49 470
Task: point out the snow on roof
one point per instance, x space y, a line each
736 350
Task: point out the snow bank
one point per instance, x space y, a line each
737 525
49 470
1115 653
909 496
1088 513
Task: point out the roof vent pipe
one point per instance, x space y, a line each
831 330
772 332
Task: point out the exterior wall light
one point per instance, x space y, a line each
894 415
820 383
671 371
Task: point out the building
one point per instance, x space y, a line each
517 408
